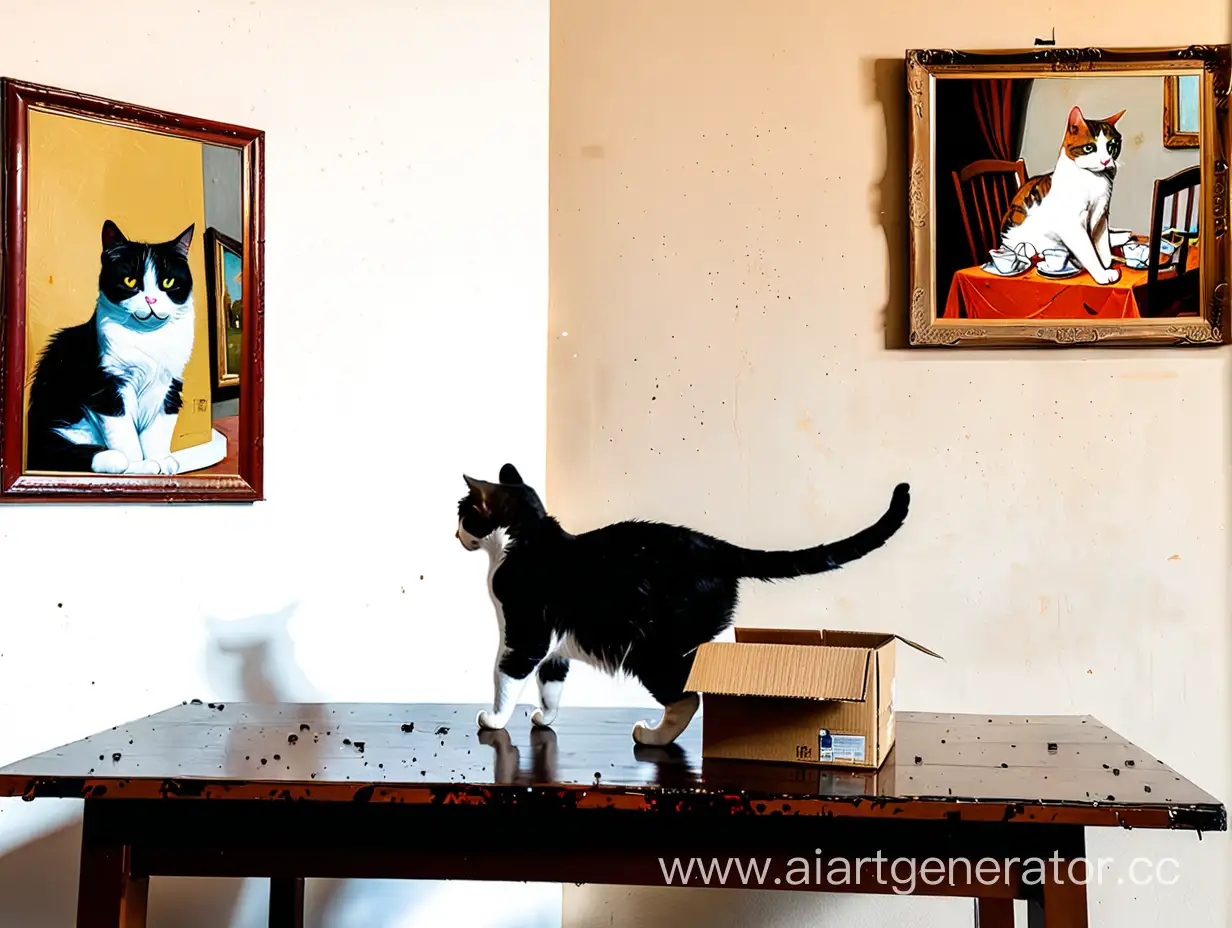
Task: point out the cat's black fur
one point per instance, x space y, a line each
638 596
70 379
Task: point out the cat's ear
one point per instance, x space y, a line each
509 474
184 240
481 488
1112 120
112 236
1077 122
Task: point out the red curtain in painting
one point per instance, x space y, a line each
1000 110
976 119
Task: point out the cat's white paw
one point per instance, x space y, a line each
169 465
109 462
542 718
1105 276
645 733
489 720
142 468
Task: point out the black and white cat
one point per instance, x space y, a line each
634 597
106 393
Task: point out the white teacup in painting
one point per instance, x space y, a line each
1055 259
1136 254
1005 260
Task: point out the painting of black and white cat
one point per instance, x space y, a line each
106 393
635 598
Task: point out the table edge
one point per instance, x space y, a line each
687 801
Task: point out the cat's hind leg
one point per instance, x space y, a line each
665 677
675 719
551 676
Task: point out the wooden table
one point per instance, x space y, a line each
288 791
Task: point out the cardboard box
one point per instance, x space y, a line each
801 695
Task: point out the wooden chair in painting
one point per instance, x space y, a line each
1171 288
985 189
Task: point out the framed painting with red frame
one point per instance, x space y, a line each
107 384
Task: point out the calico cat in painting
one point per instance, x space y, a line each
106 393
1069 207
634 597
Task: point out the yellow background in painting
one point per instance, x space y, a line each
81 173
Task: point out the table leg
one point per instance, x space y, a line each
108 895
994 913
286 906
1064 902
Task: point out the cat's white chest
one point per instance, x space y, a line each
495 545
146 361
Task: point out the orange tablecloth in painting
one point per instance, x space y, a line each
977 294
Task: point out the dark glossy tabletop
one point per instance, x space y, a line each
1065 769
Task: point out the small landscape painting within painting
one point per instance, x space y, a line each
226 295
1182 115
1056 204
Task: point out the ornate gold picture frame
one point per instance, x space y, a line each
995 135
1182 112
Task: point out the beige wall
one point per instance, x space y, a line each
728 245
1143 158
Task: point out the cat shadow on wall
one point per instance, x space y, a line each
886 78
252 659
248 659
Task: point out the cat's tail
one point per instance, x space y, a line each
783 565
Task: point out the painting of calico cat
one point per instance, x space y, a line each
1068 208
106 393
636 598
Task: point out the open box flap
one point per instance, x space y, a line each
778 635
788 670
919 647
829 637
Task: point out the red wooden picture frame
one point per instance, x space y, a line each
18 98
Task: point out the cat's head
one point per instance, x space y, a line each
145 285
489 506
1092 144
